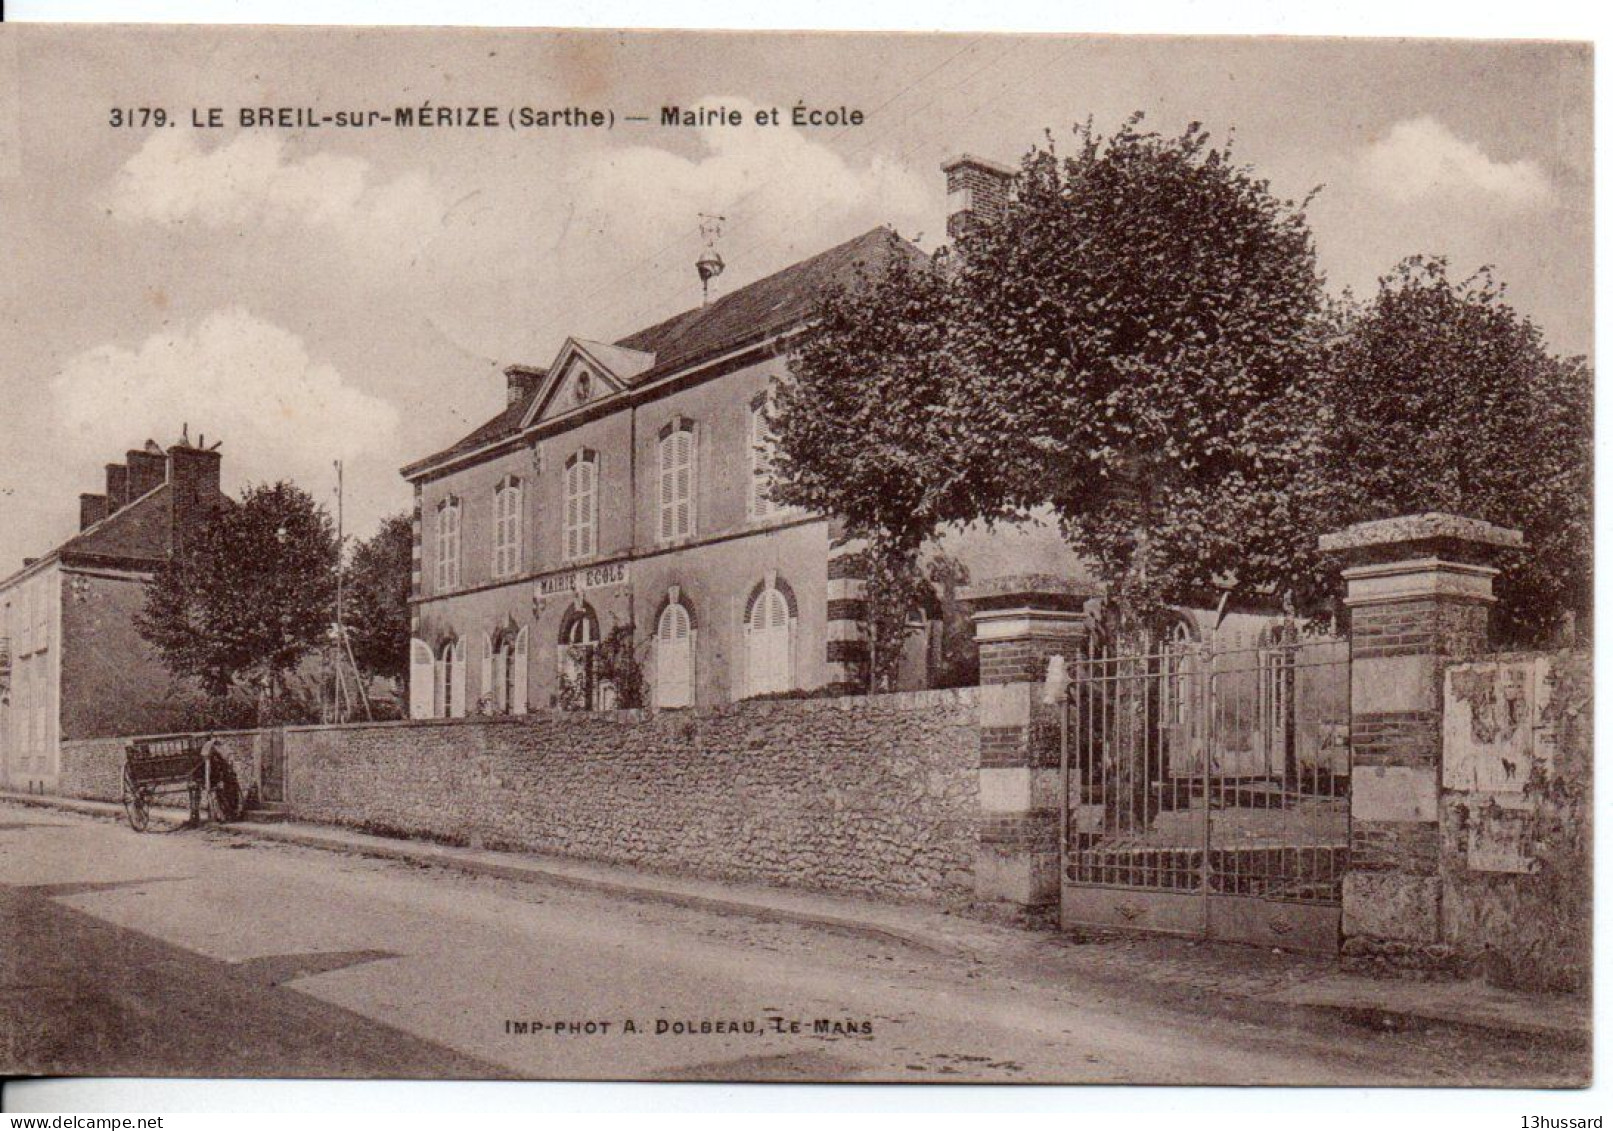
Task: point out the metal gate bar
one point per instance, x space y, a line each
1206 790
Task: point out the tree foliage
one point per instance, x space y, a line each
863 431
376 599
1139 333
1143 343
249 595
1441 396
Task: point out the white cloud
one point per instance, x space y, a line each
280 413
1421 158
604 240
250 182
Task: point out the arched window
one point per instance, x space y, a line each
504 672
770 638
448 688
507 528
677 480
761 461
581 687
582 505
674 654
448 544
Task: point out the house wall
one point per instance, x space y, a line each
715 570
30 709
112 681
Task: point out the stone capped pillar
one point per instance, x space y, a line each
1022 620
1419 590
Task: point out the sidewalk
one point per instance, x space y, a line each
1257 978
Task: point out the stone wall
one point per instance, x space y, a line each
1515 819
875 795
92 768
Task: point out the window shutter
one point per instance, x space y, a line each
422 678
518 682
667 499
439 683
488 687
456 689
674 658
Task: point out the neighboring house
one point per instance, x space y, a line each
71 663
625 484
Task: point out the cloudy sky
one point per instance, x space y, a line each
304 295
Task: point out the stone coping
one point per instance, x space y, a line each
1434 526
1030 591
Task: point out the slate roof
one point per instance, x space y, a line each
136 535
751 313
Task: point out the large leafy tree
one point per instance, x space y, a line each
376 605
1140 330
1441 396
249 595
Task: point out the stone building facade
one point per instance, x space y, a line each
72 665
625 484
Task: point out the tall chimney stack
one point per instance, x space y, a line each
977 193
117 486
519 381
147 469
91 509
193 481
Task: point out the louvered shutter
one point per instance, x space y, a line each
683 521
456 687
674 658
489 674
422 679
666 476
518 678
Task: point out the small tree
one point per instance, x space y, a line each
1441 396
248 597
864 429
376 604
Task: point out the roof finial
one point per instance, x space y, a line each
710 263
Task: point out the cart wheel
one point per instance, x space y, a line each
135 804
224 801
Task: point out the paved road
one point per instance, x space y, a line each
195 953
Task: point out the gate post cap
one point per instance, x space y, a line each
1432 534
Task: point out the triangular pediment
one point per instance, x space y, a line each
583 374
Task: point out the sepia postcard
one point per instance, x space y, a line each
815 557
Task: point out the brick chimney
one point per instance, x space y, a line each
117 487
147 469
977 193
193 481
520 380
91 509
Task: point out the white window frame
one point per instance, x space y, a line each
580 508
507 500
677 483
448 544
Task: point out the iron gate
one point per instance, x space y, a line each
1207 791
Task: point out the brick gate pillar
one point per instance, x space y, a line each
1020 622
1418 590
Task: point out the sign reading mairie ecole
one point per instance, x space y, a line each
577 580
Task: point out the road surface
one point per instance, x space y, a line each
196 953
